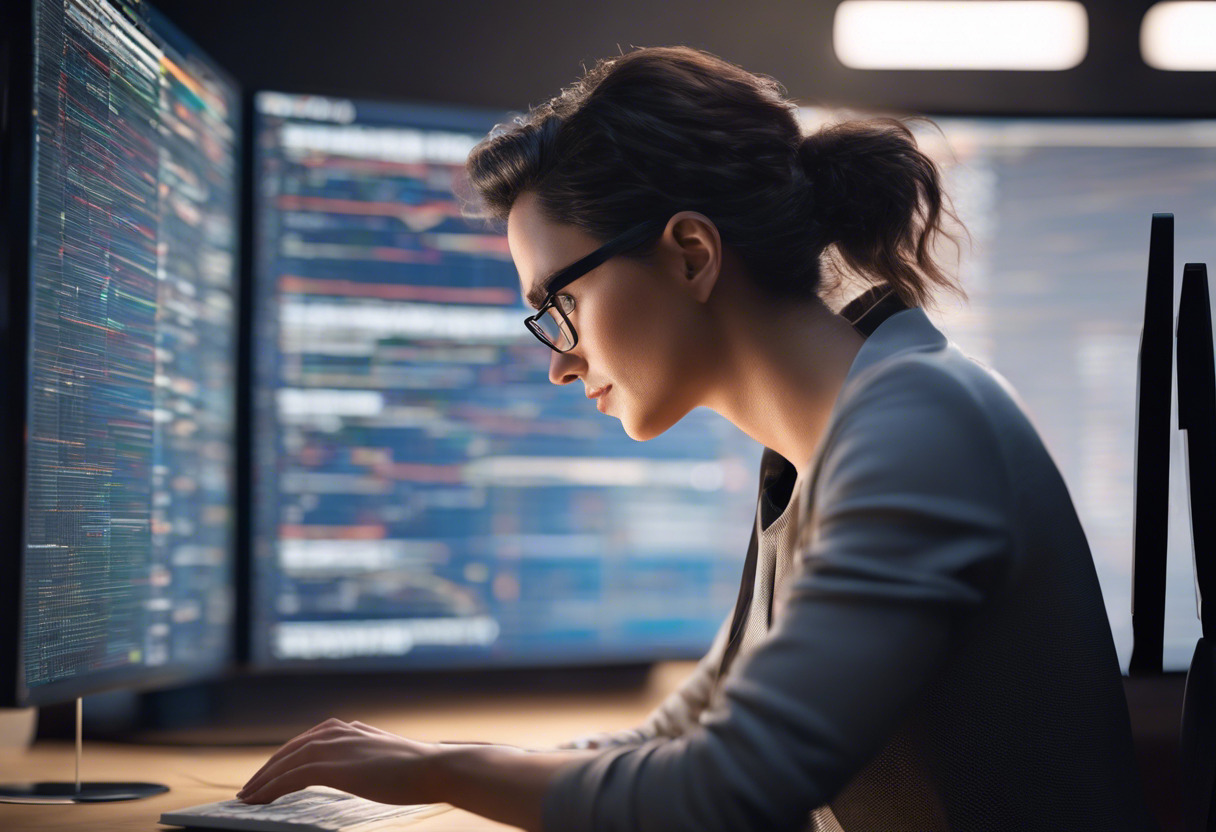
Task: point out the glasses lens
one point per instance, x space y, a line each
554 329
557 329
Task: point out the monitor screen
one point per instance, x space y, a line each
1059 213
127 533
423 496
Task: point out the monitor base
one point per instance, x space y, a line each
77 793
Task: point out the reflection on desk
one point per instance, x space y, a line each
200 774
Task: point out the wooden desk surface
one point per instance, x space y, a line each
201 774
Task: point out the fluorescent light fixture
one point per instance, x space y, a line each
1180 36
973 34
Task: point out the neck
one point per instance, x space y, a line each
783 372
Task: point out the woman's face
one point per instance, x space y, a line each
639 324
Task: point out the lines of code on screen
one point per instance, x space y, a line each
128 529
423 494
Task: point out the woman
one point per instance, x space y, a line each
920 641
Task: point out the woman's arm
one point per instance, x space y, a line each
510 787
498 783
676 714
502 782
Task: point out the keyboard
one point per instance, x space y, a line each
315 809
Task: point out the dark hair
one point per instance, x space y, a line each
664 129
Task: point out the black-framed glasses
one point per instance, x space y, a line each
550 324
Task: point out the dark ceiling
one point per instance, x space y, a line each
507 55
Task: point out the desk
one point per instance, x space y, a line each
199 774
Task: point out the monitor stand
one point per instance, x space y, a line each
59 792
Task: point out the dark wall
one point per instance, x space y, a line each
508 55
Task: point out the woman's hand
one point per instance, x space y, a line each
353 757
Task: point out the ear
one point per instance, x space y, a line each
698 252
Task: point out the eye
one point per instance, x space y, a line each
566 302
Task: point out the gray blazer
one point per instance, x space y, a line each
941 658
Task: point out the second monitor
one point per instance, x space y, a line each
423 495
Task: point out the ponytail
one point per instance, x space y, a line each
877 201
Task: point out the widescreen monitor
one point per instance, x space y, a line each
121 189
423 496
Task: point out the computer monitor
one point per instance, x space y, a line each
409 478
423 496
117 322
1057 210
1154 382
1197 420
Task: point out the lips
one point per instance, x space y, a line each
597 392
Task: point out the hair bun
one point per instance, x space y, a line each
818 150
868 183
876 197
823 157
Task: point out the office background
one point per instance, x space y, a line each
1061 278
1011 137
501 57
507 55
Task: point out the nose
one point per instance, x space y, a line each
563 366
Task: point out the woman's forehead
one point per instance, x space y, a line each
538 246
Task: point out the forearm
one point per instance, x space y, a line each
500 784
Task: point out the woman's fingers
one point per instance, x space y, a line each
357 758
294 743
331 744
372 728
300 777
299 757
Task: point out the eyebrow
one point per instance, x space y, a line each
538 292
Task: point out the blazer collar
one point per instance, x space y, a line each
890 327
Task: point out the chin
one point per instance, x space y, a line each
648 427
637 435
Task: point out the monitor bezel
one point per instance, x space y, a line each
16 131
